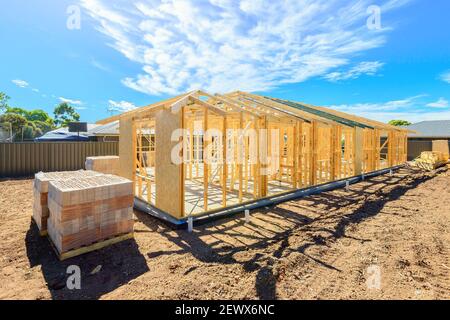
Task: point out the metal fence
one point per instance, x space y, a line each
26 158
416 146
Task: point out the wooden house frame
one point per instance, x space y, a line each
239 148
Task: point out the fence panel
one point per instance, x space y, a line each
416 147
23 159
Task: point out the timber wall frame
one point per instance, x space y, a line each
239 147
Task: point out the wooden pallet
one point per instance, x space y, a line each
93 247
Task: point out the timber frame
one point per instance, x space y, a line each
240 147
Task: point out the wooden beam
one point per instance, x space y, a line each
241 155
358 151
263 155
209 106
333 130
205 159
300 154
182 167
235 105
127 149
167 173
295 156
225 164
314 151
131 113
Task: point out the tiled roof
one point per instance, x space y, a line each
431 129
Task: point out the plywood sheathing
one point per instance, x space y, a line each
167 174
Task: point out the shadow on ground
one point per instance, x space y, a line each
120 263
315 230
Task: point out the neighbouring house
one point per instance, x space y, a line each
104 133
426 133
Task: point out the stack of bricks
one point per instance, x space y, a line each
85 211
40 192
107 164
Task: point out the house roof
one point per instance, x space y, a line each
110 129
431 129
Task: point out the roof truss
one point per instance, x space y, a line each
255 106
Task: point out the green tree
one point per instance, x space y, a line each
39 115
37 119
44 126
3 101
16 110
26 124
30 132
399 123
17 121
65 113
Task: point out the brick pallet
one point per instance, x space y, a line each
89 213
40 192
107 164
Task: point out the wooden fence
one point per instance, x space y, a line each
26 158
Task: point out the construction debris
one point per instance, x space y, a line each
106 165
89 213
431 160
40 191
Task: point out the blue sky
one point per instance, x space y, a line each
323 52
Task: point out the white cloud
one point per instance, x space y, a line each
24 84
21 83
410 109
364 68
70 101
446 76
380 106
223 45
100 65
441 103
120 106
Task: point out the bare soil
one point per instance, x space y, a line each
326 246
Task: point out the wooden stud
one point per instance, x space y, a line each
240 155
205 159
314 151
358 151
183 165
300 155
225 164
295 156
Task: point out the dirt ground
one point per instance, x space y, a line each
328 246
